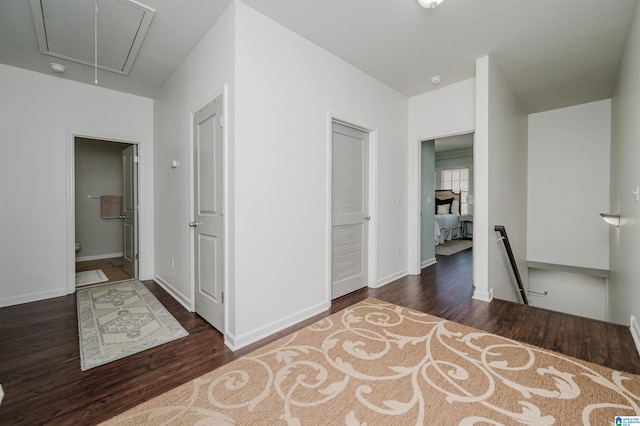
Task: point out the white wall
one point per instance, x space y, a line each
286 86
444 112
500 173
37 111
624 285
198 80
568 185
569 292
98 172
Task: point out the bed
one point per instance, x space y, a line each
447 224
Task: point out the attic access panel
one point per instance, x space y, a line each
65 29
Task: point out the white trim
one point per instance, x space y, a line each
391 278
483 295
180 298
238 342
98 257
428 262
72 134
372 246
34 297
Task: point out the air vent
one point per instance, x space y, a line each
65 29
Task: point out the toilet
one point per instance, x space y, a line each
77 247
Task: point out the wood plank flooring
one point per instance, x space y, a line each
40 361
114 273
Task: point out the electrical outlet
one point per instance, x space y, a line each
173 263
398 252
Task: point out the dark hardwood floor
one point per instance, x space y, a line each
114 273
40 361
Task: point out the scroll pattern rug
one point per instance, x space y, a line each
379 363
120 319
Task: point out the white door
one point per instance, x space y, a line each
349 209
208 211
129 210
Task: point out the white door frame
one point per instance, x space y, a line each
225 146
372 247
415 229
71 197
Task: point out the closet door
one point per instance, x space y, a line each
349 209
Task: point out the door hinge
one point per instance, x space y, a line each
221 209
136 159
223 297
136 256
221 120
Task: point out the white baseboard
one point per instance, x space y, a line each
237 342
428 262
98 257
390 278
635 332
485 296
181 298
32 297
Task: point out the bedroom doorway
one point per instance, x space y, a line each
105 211
446 183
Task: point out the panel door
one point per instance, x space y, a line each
208 207
349 209
130 210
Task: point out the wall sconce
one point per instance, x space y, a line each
611 219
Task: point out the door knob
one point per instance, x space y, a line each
367 217
194 224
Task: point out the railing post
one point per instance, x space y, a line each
512 260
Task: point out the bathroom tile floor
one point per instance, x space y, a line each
113 273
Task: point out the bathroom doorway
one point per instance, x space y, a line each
106 217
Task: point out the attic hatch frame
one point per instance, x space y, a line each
37 10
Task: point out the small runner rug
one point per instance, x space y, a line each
120 319
453 246
90 277
379 363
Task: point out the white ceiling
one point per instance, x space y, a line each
175 30
554 53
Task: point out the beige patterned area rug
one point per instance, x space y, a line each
120 319
379 363
453 246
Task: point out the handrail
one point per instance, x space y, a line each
512 260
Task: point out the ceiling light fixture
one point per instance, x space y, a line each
59 68
429 4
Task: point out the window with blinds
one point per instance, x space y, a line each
456 180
